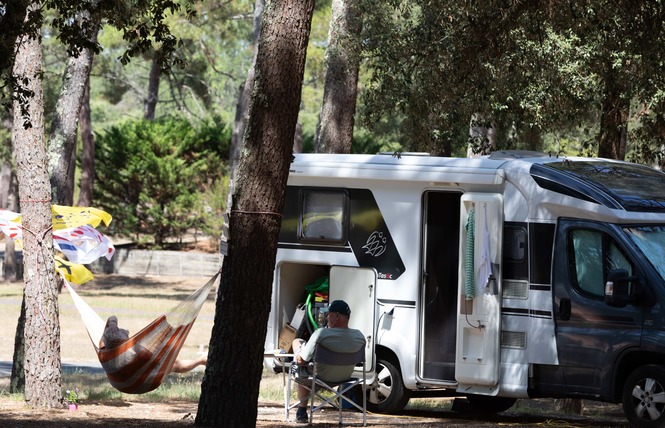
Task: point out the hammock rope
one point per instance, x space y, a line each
140 364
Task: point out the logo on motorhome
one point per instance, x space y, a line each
375 245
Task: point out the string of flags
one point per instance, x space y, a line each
74 235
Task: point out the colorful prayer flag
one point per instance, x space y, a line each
72 272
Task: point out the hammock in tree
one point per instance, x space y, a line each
140 364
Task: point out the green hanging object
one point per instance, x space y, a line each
320 285
469 280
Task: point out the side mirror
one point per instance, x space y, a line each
618 288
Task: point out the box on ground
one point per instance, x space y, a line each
286 337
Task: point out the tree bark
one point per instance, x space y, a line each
12 23
11 267
62 141
482 135
570 406
17 379
88 152
229 393
335 130
244 95
153 89
613 120
43 376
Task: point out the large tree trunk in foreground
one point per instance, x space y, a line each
43 376
229 393
335 130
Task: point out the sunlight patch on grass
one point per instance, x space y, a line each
439 404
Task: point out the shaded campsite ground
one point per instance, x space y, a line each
138 300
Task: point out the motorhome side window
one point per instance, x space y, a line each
323 216
593 254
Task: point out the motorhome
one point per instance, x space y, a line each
510 276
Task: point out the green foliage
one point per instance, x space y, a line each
532 67
153 175
649 136
366 143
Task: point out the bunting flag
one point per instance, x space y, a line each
74 235
65 217
72 272
83 244
10 224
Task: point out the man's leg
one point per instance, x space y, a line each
303 392
183 366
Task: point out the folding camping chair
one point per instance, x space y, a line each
317 387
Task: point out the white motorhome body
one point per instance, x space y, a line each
492 274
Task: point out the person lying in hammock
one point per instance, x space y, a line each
115 336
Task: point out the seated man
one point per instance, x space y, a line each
337 337
115 336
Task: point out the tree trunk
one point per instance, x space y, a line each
613 120
17 379
153 89
11 267
88 152
43 376
570 406
482 135
62 141
532 137
335 130
5 182
244 94
12 23
229 393
297 139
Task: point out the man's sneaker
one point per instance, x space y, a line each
301 415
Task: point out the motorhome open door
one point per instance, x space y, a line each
357 287
478 356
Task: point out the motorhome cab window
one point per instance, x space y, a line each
651 241
323 215
593 255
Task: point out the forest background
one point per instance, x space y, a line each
448 78
159 118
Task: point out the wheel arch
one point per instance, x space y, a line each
627 363
386 353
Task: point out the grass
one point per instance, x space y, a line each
136 301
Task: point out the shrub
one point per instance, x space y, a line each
152 175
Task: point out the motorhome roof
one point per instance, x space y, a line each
615 184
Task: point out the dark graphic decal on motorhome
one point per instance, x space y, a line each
370 238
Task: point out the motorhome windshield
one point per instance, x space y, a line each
651 241
633 187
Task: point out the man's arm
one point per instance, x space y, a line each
307 352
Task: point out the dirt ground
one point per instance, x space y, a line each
182 414
128 413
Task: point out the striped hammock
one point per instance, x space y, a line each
140 364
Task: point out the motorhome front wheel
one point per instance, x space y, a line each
644 397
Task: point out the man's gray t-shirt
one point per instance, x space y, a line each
337 340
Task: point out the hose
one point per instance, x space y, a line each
469 280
